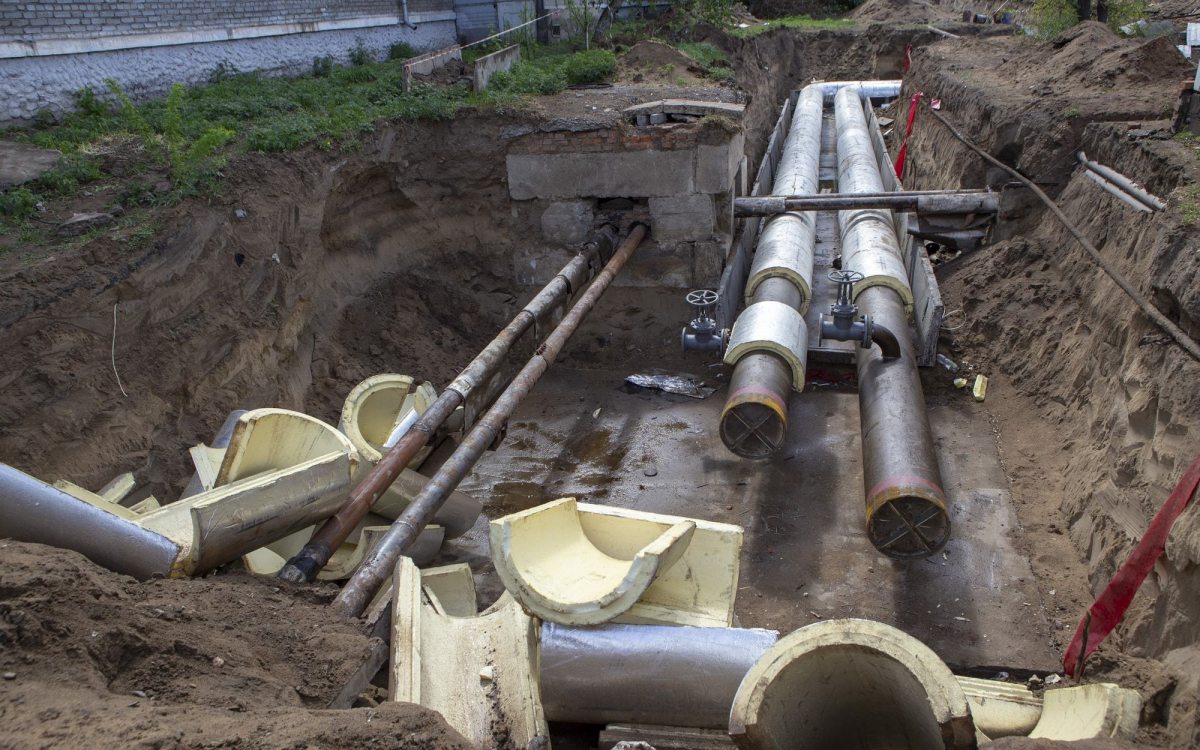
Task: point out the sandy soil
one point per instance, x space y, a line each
92 658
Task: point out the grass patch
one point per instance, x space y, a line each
1189 205
710 58
795 22
591 66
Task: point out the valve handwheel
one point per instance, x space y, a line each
702 297
845 277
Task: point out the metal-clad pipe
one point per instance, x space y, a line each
646 674
864 89
869 243
379 563
305 565
1122 182
33 511
905 504
754 420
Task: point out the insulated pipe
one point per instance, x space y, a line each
33 511
316 553
1121 181
754 420
905 504
381 561
864 89
646 674
928 202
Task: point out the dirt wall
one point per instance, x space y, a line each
1117 400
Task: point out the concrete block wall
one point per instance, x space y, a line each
683 176
50 49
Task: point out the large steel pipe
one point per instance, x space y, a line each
33 511
754 420
316 553
905 503
646 674
381 561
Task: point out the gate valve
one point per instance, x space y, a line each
702 334
842 323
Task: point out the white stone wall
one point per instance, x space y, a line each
30 84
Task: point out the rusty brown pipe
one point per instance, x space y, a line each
378 565
306 563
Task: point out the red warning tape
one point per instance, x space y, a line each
1108 609
912 114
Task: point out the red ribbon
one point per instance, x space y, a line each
912 115
1109 608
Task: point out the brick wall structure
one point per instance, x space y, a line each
50 49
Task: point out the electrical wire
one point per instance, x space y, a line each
1188 343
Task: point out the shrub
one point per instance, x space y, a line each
360 55
18 203
224 71
401 51
1122 12
529 78
322 66
283 134
1053 17
590 66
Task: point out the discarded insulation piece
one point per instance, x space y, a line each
850 683
451 589
283 471
979 390
580 564
1001 709
1087 711
480 673
379 410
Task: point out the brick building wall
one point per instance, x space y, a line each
61 19
52 48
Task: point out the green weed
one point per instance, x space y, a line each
1053 17
794 22
401 51
590 66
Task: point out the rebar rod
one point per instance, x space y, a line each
305 565
380 562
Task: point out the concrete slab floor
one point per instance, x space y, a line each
806 555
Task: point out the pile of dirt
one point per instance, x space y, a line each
1089 59
93 658
904 11
654 62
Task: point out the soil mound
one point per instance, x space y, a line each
904 11
1090 57
649 61
94 658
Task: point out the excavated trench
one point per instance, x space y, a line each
317 270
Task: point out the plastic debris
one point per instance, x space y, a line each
947 363
979 391
960 382
682 383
